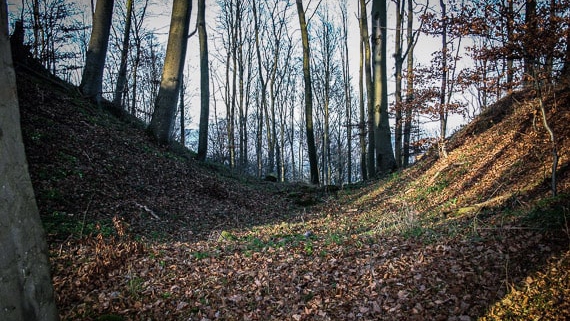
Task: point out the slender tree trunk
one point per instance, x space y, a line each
241 98
204 82
37 27
369 91
510 31
92 79
232 112
347 93
263 83
26 291
182 113
385 161
362 122
528 60
313 163
135 80
162 122
122 76
399 61
565 74
442 95
409 85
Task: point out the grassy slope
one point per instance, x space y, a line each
163 237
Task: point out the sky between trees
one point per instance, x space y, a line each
481 23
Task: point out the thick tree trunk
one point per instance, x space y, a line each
204 82
313 162
26 291
92 79
385 161
162 122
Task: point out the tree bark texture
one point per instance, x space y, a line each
26 291
369 91
92 78
204 82
314 169
362 117
122 76
162 122
409 86
385 161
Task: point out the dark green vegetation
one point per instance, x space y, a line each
143 232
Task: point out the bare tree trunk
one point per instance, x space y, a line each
313 163
530 24
362 122
182 112
347 93
262 105
409 85
399 61
442 101
37 27
91 81
565 74
385 161
122 76
204 82
26 290
241 98
162 122
369 91
510 31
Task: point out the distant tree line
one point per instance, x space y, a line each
277 92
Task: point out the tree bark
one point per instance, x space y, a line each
362 123
92 79
26 291
442 102
399 62
204 82
347 90
409 85
162 122
314 169
122 75
531 26
385 162
369 91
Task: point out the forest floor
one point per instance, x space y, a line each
140 232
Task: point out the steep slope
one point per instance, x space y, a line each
502 161
139 232
88 166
